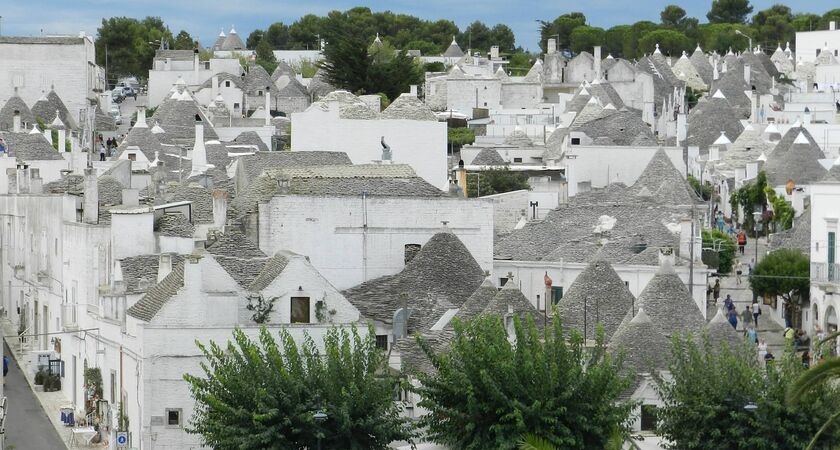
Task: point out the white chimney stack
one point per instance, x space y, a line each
597 62
16 122
268 106
413 90
199 152
141 117
35 181
832 25
747 74
494 52
164 266
91 202
195 66
214 86
551 46
220 199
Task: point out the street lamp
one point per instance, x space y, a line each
756 228
738 32
320 417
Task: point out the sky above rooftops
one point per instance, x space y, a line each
205 18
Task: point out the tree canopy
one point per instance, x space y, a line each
705 400
782 273
256 394
487 392
729 11
496 181
130 44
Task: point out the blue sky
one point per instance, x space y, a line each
204 18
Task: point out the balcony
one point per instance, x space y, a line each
825 273
68 316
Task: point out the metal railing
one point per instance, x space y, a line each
825 272
22 337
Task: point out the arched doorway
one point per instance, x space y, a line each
815 314
830 320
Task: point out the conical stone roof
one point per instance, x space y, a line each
477 302
644 347
720 331
711 116
670 306
701 64
800 164
598 295
664 182
510 300
7 114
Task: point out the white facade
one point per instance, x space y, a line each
595 166
351 239
165 73
825 269
418 143
810 43
36 64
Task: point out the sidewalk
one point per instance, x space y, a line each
51 402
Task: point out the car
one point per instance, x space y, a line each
117 96
116 115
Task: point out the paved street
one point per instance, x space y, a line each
27 426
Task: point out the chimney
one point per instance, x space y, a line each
214 87
62 140
597 61
220 199
132 231
413 90
11 175
48 135
806 116
141 117
494 52
551 46
16 122
747 74
199 153
36 184
832 25
685 237
751 170
168 64
131 197
192 272
268 106
195 66
91 202
461 177
164 266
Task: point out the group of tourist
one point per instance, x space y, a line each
106 147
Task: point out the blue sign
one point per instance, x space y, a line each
122 438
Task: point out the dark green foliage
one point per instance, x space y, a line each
265 57
670 42
705 192
614 40
751 197
277 36
784 273
584 38
254 38
495 181
561 29
520 64
256 394
729 11
774 24
93 379
183 41
783 212
672 16
127 41
436 66
720 243
488 392
460 136
704 402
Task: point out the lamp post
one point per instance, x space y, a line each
738 32
756 228
320 417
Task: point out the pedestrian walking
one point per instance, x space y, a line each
742 241
733 318
756 311
739 269
716 290
746 316
2 145
751 335
101 151
728 303
751 266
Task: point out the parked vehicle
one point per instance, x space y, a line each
117 96
116 115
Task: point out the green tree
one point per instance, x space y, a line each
459 137
631 40
487 392
477 36
503 36
126 43
304 32
672 16
705 399
805 22
561 29
783 212
721 37
782 273
519 64
774 24
833 14
729 11
256 394
183 41
277 35
818 378
671 42
705 192
750 197
496 181
718 250
265 56
614 40
254 38
584 38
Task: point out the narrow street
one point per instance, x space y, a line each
27 426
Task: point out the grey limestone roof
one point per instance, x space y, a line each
224 76
720 331
441 276
286 81
110 191
249 138
255 164
518 138
702 65
578 101
232 42
29 146
759 76
46 107
15 103
390 187
49 40
177 117
64 185
283 68
272 269
597 295
174 225
746 149
510 300
606 93
142 138
412 357
349 106
143 267
711 116
488 157
786 142
319 86
623 127
732 85
174 55
799 163
200 196
664 182
664 79
243 270
592 110
257 79
477 302
147 307
644 347
453 51
234 243
668 303
685 70
408 106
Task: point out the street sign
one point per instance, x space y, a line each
122 439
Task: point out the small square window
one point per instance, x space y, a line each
227 83
503 281
173 417
132 157
517 160
236 106
382 341
575 141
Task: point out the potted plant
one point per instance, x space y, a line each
40 377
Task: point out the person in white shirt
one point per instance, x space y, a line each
756 310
